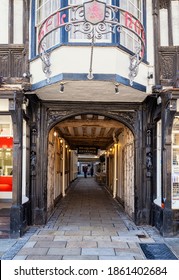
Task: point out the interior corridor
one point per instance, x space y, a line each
86 224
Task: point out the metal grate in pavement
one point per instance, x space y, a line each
157 251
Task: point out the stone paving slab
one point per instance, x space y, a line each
82 244
97 238
44 257
50 244
64 251
33 251
80 257
113 244
98 251
68 238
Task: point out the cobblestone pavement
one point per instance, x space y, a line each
86 225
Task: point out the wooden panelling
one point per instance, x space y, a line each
169 65
11 61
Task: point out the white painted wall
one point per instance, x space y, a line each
149 47
73 59
18 22
175 18
164 27
4 22
4 105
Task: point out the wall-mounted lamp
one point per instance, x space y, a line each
117 88
25 103
26 75
62 87
150 76
1 80
159 100
55 133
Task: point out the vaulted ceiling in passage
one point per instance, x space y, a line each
89 131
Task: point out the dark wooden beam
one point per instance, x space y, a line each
11 22
91 122
170 29
156 27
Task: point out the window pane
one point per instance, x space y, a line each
44 9
175 164
129 39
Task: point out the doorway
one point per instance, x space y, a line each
96 141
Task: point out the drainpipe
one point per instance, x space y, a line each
63 170
115 170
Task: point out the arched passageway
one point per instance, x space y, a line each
91 141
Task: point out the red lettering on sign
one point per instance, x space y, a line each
128 20
41 34
48 24
62 18
137 27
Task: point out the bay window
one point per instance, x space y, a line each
44 8
128 39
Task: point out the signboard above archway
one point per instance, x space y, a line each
95 19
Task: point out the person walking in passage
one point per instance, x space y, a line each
85 170
92 171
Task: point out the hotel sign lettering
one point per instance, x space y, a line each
87 150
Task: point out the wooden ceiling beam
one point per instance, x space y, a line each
92 122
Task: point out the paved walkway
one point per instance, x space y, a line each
86 225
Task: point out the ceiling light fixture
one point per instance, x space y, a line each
117 88
62 87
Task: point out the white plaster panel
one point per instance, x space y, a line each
164 27
18 22
36 71
4 105
77 60
150 34
107 60
4 22
175 20
6 195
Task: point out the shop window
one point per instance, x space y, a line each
175 164
6 164
6 154
127 38
159 166
4 129
45 8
